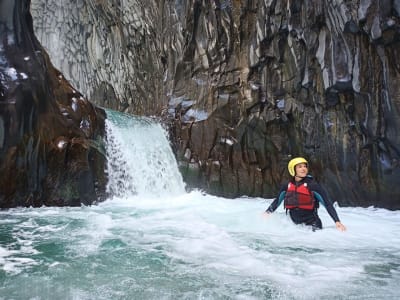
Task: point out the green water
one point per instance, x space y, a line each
193 247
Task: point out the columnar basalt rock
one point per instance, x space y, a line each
281 78
107 49
50 136
249 84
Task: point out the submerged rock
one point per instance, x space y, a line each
51 150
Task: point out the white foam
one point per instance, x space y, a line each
141 161
13 262
226 240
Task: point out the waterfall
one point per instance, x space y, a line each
140 158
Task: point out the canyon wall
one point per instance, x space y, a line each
247 85
51 137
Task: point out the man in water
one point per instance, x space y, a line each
301 197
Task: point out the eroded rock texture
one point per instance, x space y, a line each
249 84
109 50
50 136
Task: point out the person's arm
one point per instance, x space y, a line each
277 201
321 196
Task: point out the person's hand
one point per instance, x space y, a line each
340 226
266 214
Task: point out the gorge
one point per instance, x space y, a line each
243 86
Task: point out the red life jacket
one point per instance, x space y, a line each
298 197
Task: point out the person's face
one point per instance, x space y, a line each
301 170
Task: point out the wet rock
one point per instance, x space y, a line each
330 95
51 150
106 48
257 83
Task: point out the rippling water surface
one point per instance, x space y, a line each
195 246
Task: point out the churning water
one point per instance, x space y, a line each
155 241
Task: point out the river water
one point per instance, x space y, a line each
153 240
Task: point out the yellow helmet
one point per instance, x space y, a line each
295 161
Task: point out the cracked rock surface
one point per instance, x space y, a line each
247 85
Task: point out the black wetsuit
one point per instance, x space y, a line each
306 216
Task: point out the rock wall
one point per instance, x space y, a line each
109 50
51 137
247 85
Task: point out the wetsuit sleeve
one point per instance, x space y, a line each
278 200
321 196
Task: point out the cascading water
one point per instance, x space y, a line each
140 159
153 240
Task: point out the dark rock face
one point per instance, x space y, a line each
50 136
279 79
248 85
